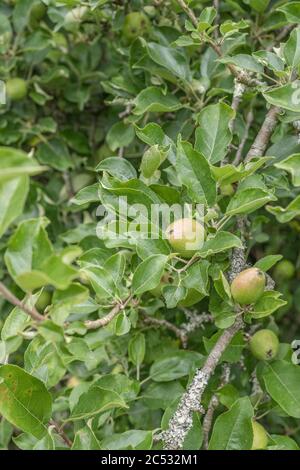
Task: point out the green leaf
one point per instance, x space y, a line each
291 11
286 96
24 400
259 5
86 195
194 437
102 281
151 160
85 439
15 163
228 174
136 349
267 262
194 172
233 429
282 383
95 401
213 136
267 304
120 135
13 194
153 99
244 62
175 365
131 440
197 277
148 274
291 164
170 58
117 167
291 49
222 241
31 261
284 215
246 201
282 443
55 153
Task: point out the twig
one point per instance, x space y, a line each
181 334
11 298
100 322
216 5
283 33
62 434
182 420
194 321
214 402
208 419
239 153
262 139
241 76
239 90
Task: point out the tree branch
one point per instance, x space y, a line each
11 298
182 332
100 322
263 137
241 76
182 420
213 404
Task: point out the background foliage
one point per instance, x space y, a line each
165 112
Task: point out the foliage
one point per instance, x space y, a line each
101 336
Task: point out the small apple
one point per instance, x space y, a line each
73 382
260 437
227 190
16 88
186 236
284 270
136 24
43 301
264 345
37 13
248 286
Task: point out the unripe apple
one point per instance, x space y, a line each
248 286
16 88
44 300
227 190
260 437
185 236
37 13
73 382
284 270
264 345
136 24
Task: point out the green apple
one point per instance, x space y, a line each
264 345
73 382
227 190
186 236
284 270
37 12
44 300
248 286
260 437
16 88
136 24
